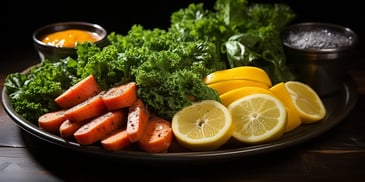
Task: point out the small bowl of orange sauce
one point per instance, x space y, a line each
58 40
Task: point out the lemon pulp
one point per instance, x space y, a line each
281 92
202 126
307 102
258 118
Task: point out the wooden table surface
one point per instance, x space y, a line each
336 155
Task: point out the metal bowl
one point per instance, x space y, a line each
320 53
52 52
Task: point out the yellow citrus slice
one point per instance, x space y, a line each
239 73
202 126
232 95
280 91
307 102
258 118
227 85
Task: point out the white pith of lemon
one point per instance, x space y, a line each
202 126
258 118
307 102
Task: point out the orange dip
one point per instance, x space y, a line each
69 38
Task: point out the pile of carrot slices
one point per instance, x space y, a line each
114 118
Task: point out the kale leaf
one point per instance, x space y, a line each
32 93
167 65
244 33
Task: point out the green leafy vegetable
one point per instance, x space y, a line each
167 65
168 72
245 34
261 48
32 94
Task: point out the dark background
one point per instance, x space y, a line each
18 21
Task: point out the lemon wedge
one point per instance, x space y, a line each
258 118
239 73
307 102
235 94
227 85
202 126
281 92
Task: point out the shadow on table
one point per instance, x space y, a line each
70 165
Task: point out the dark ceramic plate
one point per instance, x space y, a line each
338 106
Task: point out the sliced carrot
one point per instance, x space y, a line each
121 96
88 109
99 127
157 137
51 121
138 116
153 117
116 140
79 92
68 128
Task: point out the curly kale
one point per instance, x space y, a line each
168 72
173 91
167 65
32 94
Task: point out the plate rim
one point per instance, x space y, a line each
351 97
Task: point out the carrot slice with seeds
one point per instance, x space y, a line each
138 116
68 128
99 127
88 109
121 96
83 90
157 137
51 121
116 140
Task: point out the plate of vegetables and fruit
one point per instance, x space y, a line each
165 70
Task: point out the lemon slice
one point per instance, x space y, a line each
232 95
239 73
307 102
202 126
281 92
227 85
258 118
